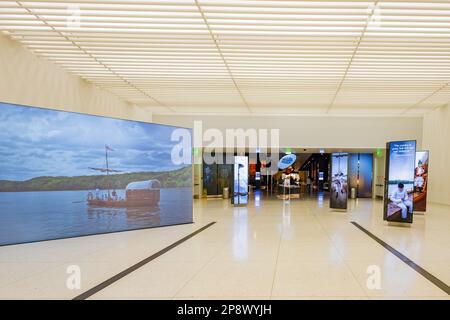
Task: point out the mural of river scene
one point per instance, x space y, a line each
64 174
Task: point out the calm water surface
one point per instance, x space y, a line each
43 215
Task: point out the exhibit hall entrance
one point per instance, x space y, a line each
300 173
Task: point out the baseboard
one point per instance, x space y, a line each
439 203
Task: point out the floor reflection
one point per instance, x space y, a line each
320 198
240 233
286 214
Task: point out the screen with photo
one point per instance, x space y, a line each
240 186
421 181
399 189
360 174
65 174
339 185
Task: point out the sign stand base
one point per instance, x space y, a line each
399 224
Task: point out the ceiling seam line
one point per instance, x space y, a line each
213 38
95 59
338 89
426 98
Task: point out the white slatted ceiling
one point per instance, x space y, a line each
217 56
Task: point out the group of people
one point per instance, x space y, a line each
289 179
103 196
420 177
339 184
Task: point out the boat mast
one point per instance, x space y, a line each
107 167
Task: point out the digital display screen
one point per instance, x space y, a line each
401 161
65 174
421 181
339 185
320 175
360 174
240 180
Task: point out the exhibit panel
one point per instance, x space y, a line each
240 185
360 174
210 179
318 167
216 177
66 174
399 187
421 181
339 183
289 184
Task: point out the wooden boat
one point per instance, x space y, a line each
137 193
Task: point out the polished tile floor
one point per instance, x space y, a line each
270 249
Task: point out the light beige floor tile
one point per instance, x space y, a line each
193 250
156 279
52 284
409 298
11 272
231 279
308 251
224 298
247 250
396 279
307 279
301 250
321 298
360 251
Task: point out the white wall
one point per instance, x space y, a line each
379 164
33 81
314 132
436 139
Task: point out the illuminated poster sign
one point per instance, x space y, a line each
339 185
240 185
65 174
421 181
399 189
360 174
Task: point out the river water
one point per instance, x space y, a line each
44 215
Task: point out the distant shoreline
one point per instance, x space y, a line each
168 179
162 188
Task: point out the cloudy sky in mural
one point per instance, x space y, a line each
39 142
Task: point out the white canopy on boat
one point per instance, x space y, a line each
141 185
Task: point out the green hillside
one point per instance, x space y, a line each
168 179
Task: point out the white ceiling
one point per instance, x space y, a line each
248 57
